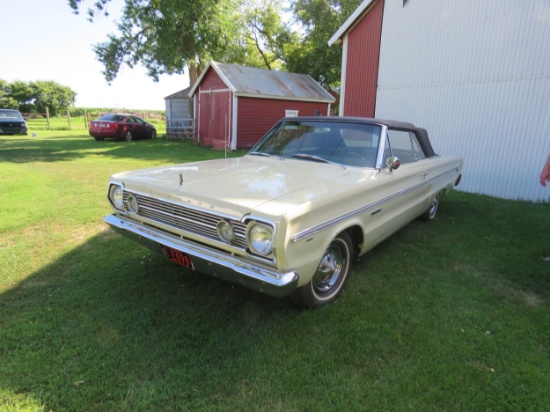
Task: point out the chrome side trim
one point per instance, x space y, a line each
315 229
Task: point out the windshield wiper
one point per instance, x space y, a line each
265 154
315 159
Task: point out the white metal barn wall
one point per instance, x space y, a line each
476 74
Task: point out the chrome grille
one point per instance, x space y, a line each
186 219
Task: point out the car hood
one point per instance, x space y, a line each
11 120
239 185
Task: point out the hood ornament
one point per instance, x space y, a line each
181 179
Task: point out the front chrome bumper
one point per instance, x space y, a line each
210 261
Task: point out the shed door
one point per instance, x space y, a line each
215 120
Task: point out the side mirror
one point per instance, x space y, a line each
393 163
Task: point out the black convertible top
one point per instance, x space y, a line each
391 124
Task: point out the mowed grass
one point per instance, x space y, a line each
448 315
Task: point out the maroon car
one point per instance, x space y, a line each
121 126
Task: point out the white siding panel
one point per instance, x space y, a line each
167 109
476 74
179 109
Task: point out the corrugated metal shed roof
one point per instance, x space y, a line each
182 94
254 82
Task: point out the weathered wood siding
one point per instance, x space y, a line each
257 116
213 112
363 45
236 105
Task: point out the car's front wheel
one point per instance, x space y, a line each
153 134
128 136
99 138
330 276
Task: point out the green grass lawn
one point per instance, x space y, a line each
448 315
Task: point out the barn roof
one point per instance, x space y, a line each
271 84
182 94
358 14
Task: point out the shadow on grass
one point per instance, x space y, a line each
94 332
68 148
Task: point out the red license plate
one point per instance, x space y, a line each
178 257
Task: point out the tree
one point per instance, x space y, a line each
3 88
266 37
5 101
34 97
52 95
168 36
320 19
18 95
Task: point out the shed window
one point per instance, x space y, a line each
291 113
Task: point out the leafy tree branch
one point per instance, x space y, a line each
174 36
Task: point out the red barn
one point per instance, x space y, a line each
360 38
235 105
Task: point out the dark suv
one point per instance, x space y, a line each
11 122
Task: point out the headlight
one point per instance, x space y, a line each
260 238
116 196
133 205
225 231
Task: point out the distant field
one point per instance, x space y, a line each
78 122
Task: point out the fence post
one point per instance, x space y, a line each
48 116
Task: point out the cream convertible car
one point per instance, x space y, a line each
288 217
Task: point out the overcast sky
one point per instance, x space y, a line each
44 40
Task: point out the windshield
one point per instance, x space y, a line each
10 114
349 144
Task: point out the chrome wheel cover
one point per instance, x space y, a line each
433 207
329 270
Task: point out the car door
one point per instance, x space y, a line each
142 127
134 126
403 192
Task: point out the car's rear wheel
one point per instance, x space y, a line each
128 136
430 214
330 276
99 138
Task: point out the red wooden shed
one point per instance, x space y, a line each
235 105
